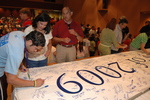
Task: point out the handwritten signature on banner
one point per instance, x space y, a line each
111 71
97 68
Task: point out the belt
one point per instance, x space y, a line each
67 46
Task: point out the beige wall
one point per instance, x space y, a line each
86 11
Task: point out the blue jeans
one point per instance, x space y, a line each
32 64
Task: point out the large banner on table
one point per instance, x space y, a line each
112 77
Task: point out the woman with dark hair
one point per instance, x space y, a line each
41 23
140 41
80 50
42 19
118 32
108 38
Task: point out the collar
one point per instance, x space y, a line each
68 22
26 19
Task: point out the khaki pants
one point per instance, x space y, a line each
65 54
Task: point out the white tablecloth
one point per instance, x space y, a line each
112 77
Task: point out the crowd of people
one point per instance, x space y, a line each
31 44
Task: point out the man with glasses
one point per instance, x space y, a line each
66 33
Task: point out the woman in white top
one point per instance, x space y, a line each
41 23
118 32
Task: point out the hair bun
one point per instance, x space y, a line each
122 17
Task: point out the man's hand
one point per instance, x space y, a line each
47 53
39 82
66 40
73 32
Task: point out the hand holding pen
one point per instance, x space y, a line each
23 69
39 82
66 40
27 70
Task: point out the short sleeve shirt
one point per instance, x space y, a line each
12 52
141 38
26 23
61 30
108 37
92 47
